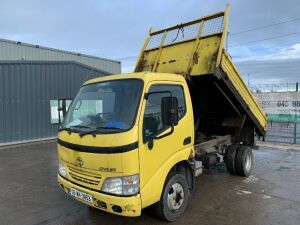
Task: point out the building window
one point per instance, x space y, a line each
54 110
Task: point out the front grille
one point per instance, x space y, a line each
84 177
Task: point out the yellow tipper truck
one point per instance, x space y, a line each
133 140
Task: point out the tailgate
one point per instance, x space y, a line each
190 48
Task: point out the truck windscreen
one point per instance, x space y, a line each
105 107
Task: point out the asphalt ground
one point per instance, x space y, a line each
29 193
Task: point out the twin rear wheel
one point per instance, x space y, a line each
239 160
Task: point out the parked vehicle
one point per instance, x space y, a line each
133 140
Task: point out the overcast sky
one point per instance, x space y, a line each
117 28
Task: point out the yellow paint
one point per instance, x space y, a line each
176 58
197 55
224 35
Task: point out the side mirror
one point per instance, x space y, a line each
169 115
169 110
62 110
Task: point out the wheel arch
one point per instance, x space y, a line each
152 191
184 167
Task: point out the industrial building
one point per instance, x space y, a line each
32 80
15 50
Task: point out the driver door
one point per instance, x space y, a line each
154 153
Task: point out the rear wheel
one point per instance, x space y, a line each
230 158
174 198
244 161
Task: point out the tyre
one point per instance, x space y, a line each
174 198
230 158
244 161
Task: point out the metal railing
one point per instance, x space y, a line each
283 132
279 87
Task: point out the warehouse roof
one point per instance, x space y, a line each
16 50
54 49
40 62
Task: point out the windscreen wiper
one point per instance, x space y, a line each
93 132
113 128
75 126
70 128
80 126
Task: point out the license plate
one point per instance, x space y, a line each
79 194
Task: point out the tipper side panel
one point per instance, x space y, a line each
234 80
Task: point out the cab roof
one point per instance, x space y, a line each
145 76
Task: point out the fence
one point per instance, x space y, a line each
280 87
283 132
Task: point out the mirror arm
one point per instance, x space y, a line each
59 120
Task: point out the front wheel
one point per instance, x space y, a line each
174 198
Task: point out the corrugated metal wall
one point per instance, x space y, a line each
11 50
26 89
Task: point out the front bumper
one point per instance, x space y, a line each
130 206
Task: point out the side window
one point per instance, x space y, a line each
153 117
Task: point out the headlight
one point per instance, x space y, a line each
128 185
62 170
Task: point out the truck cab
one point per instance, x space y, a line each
133 140
117 143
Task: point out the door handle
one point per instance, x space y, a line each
187 140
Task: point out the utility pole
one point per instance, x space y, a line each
295 124
248 80
295 130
